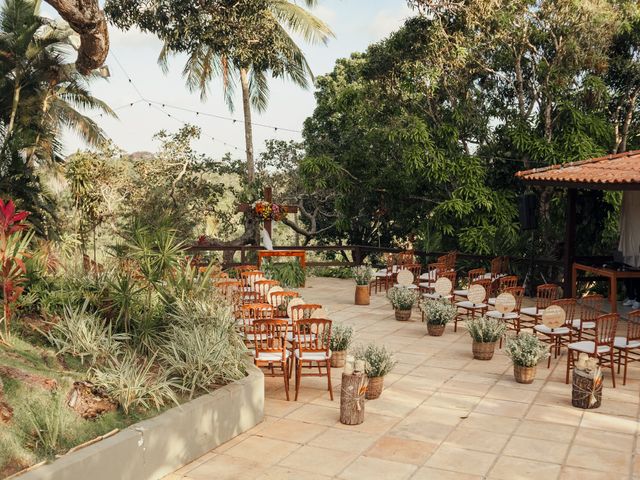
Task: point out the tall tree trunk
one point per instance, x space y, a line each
248 133
627 122
14 108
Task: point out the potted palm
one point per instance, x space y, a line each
341 338
378 362
402 300
525 351
485 332
362 274
437 313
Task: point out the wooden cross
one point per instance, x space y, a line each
267 197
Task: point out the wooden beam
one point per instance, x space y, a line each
569 242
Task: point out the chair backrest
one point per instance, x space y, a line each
451 275
249 277
313 335
236 271
246 298
633 326
500 284
506 265
496 267
263 286
227 287
415 269
406 257
591 307
437 267
280 302
486 284
606 329
270 337
301 312
476 274
252 312
518 294
545 294
569 307
452 257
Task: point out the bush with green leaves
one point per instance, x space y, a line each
202 347
438 312
135 382
378 360
362 274
402 298
526 350
46 423
341 337
84 334
289 274
486 329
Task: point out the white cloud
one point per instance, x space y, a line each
387 21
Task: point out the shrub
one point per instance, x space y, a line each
341 337
486 329
526 350
82 334
378 360
362 274
402 298
46 422
289 274
438 312
135 382
202 347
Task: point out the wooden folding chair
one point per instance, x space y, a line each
313 336
271 348
263 286
627 348
467 309
545 294
590 308
557 337
500 284
280 302
601 347
249 277
473 275
427 279
511 319
251 312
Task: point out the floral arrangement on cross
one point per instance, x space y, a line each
268 210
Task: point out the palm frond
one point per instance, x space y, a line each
301 21
258 90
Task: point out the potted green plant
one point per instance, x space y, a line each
341 338
437 313
402 300
485 332
525 351
378 362
362 274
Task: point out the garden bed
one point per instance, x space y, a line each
158 446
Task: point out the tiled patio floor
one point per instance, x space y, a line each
442 415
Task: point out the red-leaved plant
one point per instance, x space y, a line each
14 241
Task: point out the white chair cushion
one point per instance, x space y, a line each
548 331
587 346
435 296
308 337
461 293
313 356
621 342
467 304
428 276
383 274
491 301
532 311
585 325
253 336
271 356
506 316
426 284
412 286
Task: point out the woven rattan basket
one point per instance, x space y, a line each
374 389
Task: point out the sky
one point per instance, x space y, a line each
133 55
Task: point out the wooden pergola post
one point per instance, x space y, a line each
569 243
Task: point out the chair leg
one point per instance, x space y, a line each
329 379
569 359
626 362
285 375
549 359
298 376
613 368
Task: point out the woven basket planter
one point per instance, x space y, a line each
338 359
435 330
586 391
524 374
362 296
403 315
374 389
483 351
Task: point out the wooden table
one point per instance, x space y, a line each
284 253
610 273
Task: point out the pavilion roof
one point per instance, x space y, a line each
612 172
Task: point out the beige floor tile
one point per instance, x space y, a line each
223 467
601 439
282 473
452 401
504 408
429 473
315 414
318 460
422 430
292 430
268 450
510 468
599 459
466 388
546 431
536 449
369 467
344 440
574 473
376 424
401 450
562 415
502 392
474 439
461 460
491 423
609 423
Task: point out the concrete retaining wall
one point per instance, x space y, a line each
156 447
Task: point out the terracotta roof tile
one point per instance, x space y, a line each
620 169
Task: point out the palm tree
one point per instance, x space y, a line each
40 91
204 63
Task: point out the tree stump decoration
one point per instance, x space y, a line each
586 389
352 400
